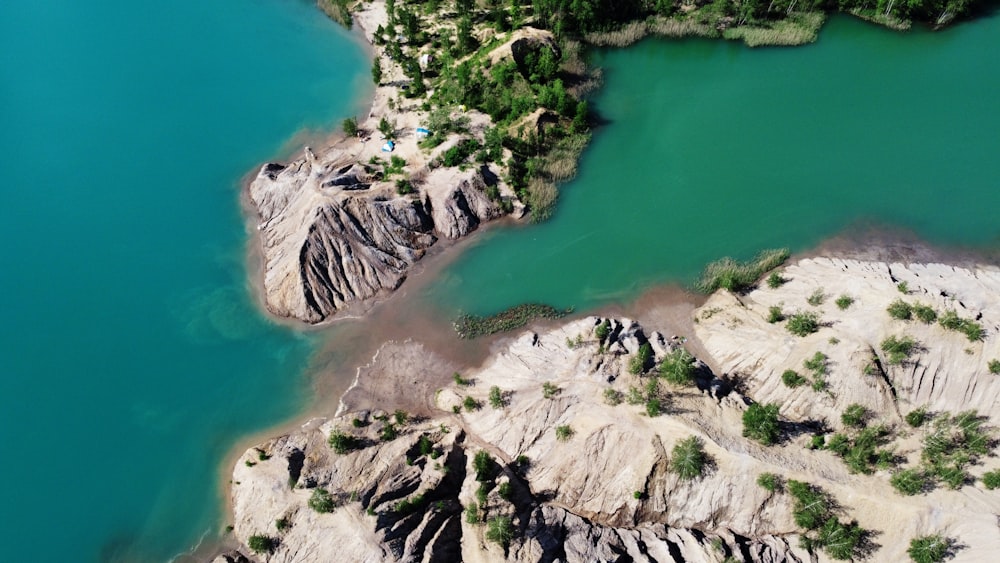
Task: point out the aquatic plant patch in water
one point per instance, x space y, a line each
474 326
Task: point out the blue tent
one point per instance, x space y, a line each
389 146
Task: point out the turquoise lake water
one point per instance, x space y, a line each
713 149
134 358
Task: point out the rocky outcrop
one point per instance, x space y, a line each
409 498
332 235
583 472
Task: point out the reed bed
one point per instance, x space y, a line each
473 326
796 29
737 276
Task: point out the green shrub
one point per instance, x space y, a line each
925 314
564 432
482 464
900 310
769 481
635 396
404 187
409 505
811 507
642 359
613 397
351 127
909 481
916 417
929 549
816 364
500 530
603 330
818 442
839 444
854 415
400 416
282 524
840 540
898 349
792 379
678 367
385 127
688 458
481 493
425 445
461 381
496 397
549 390
844 301
738 276
760 422
972 330
470 404
504 490
991 479
816 298
321 501
903 287
653 407
994 367
342 442
774 314
774 281
259 543
472 513
803 324
390 432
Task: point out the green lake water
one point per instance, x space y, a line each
713 149
133 356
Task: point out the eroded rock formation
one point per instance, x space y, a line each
332 235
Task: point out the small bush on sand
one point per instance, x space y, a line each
803 324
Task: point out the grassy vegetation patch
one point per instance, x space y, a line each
796 29
474 326
738 276
803 324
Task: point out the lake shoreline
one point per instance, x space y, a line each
834 246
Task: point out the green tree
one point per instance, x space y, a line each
351 127
321 501
387 128
260 543
840 540
640 362
760 422
603 330
688 458
909 481
377 71
929 549
342 442
496 397
678 367
500 530
854 415
482 464
769 482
